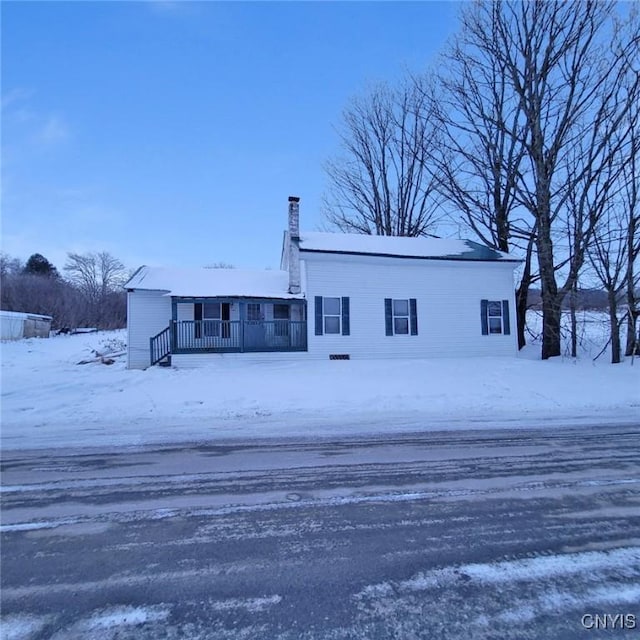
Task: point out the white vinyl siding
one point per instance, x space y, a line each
185 312
448 295
148 313
195 360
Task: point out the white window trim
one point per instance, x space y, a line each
394 315
331 315
489 317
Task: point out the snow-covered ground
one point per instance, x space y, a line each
49 400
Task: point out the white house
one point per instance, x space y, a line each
336 296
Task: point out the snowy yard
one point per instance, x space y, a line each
50 400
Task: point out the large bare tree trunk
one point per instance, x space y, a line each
551 301
615 327
632 346
522 295
574 321
551 317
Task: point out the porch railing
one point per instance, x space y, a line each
275 335
160 345
193 336
206 335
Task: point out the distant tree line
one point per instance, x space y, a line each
527 136
89 294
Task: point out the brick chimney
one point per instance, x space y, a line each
294 252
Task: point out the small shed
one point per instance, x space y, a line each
16 325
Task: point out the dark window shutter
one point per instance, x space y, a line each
345 317
483 317
197 316
388 317
318 315
505 318
413 316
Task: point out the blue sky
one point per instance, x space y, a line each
173 132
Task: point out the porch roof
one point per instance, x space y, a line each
206 283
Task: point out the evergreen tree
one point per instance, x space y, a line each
38 265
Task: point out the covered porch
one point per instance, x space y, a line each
232 324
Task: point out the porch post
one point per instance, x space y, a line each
174 325
242 315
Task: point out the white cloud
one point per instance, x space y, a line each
24 123
52 130
19 94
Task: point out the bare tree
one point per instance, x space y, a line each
9 268
41 293
610 203
92 297
9 264
383 184
481 154
95 274
82 270
608 257
630 204
99 276
567 85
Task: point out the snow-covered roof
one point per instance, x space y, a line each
425 248
19 315
192 283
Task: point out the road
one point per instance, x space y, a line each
472 534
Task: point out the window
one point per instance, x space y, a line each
253 312
212 319
332 316
401 317
211 311
280 311
494 313
494 316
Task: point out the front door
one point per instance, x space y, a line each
225 316
254 327
281 326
